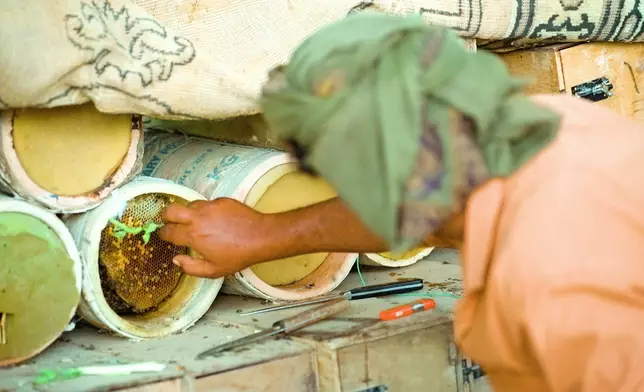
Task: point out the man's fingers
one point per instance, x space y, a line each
176 233
196 203
176 213
197 267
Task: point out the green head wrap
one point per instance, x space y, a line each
373 96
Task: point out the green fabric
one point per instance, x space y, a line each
37 285
357 93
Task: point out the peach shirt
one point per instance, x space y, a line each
553 262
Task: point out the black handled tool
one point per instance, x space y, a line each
288 325
376 290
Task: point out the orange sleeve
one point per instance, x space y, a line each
556 303
589 340
582 259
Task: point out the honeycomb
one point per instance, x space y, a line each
136 277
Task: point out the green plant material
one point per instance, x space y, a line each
122 230
48 375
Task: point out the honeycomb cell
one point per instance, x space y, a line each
137 277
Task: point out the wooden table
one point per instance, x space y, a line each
349 353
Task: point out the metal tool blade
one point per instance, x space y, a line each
371 291
287 325
292 305
240 342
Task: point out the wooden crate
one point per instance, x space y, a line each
558 68
404 355
356 353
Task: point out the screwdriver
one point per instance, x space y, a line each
288 325
406 310
372 291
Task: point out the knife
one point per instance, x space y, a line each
299 321
372 291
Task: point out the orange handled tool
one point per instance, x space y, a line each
406 310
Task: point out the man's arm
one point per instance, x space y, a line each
329 226
231 236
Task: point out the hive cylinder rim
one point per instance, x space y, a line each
10 204
94 306
375 259
248 277
17 177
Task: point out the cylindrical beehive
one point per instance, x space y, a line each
68 159
394 260
40 279
265 179
131 286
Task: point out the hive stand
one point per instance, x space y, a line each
351 352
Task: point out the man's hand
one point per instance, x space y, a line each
225 232
231 236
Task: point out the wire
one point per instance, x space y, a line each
360 273
430 294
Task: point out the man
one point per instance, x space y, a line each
438 144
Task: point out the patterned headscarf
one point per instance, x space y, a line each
402 120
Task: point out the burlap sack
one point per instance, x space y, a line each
520 23
168 59
207 59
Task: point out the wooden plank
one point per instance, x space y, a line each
176 385
65 353
85 346
210 331
621 63
294 374
543 65
559 68
399 353
328 369
414 361
409 354
391 339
